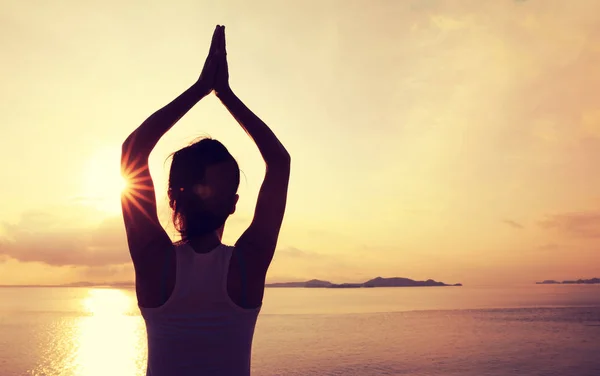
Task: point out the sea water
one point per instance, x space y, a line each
522 330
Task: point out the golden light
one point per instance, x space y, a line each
103 183
107 302
109 339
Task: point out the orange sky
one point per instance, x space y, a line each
453 140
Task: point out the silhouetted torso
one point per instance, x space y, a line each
200 330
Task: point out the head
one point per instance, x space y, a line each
203 184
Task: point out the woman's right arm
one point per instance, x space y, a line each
138 200
149 245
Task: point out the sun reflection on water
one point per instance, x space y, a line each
108 339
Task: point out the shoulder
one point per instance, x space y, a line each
246 276
155 272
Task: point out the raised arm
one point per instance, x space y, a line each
149 244
261 236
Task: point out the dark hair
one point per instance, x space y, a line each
194 214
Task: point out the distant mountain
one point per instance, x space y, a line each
375 282
592 281
287 284
403 282
311 283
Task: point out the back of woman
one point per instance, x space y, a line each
199 327
200 299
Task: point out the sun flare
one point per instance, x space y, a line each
103 183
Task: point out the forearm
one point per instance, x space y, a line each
271 149
147 135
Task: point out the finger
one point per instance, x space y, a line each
223 43
215 39
221 47
217 42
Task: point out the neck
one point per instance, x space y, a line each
219 232
206 243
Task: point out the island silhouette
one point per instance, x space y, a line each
591 281
375 282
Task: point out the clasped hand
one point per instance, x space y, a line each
215 73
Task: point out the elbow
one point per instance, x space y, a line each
126 152
132 146
286 158
130 143
130 154
279 162
136 145
277 157
127 145
283 160
124 148
124 161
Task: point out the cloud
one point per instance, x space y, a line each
580 224
55 240
513 224
445 23
590 123
60 239
548 247
292 263
121 272
297 253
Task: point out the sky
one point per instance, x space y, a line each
455 140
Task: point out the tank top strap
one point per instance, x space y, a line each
243 276
184 255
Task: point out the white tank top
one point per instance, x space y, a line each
200 330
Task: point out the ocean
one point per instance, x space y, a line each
421 331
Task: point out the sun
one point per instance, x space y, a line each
102 180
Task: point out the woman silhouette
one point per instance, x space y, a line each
200 298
